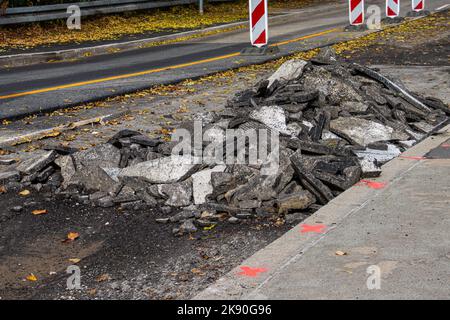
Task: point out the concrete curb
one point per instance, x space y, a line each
291 246
40 134
25 59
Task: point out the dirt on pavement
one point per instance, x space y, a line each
123 255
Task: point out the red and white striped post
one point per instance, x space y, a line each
356 12
392 8
418 5
259 28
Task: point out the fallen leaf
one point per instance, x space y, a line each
31 277
39 212
24 192
340 253
103 277
72 236
2 189
74 260
92 292
209 227
197 271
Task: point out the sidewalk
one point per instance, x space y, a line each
400 225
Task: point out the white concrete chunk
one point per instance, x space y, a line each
364 132
201 183
273 117
289 70
162 170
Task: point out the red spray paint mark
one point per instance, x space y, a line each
318 228
445 145
372 184
251 272
413 158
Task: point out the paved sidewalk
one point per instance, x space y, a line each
400 224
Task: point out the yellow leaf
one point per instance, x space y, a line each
2 189
31 277
39 212
197 271
74 260
73 236
24 192
209 227
340 253
103 277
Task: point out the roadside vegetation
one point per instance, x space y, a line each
110 27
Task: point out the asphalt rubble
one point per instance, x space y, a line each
337 123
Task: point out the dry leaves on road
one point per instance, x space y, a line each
103 277
71 236
74 260
197 271
24 193
31 277
2 189
115 26
39 212
340 253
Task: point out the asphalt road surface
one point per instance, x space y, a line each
45 87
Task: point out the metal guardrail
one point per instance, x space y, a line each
58 11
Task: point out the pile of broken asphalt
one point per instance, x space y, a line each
337 124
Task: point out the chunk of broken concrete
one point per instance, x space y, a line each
162 170
335 90
363 132
322 193
295 201
126 194
177 194
67 169
7 161
145 141
103 155
249 204
288 71
93 179
273 117
355 107
370 168
201 183
9 176
105 202
265 186
380 156
126 133
146 197
37 162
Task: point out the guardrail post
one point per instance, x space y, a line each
200 6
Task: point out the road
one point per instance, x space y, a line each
45 87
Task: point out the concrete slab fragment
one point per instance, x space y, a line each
363 132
